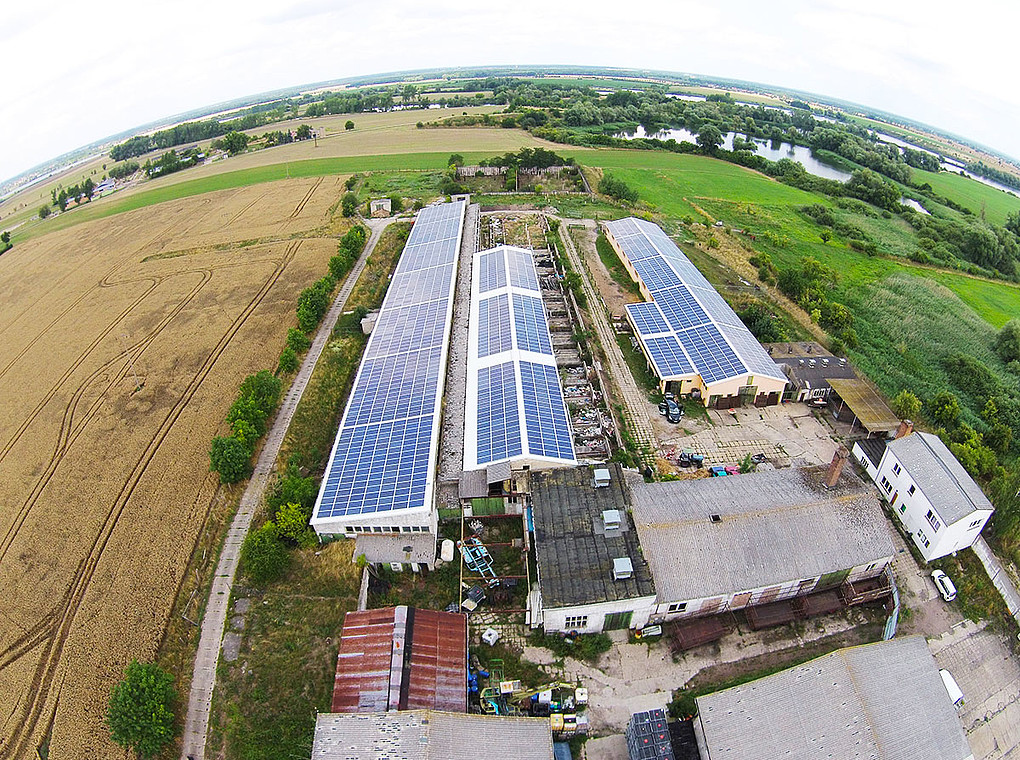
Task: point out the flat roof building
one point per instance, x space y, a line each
883 701
591 572
430 735
693 340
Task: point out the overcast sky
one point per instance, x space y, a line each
75 72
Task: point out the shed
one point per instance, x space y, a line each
380 207
857 403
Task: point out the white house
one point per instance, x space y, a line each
939 504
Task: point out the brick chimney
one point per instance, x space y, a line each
836 466
906 428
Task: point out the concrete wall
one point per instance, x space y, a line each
911 509
555 619
399 521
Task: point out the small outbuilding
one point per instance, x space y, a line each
380 207
858 404
809 368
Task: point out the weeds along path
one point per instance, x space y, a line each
635 402
49 635
203 679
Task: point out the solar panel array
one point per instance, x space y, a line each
515 405
383 456
708 338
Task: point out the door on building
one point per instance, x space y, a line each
617 621
740 600
747 394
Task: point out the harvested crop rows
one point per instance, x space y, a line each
122 343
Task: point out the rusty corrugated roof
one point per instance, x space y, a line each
401 658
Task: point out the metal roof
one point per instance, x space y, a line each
430 735
881 701
401 658
773 527
514 408
575 556
688 328
939 475
866 404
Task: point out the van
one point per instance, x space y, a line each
952 689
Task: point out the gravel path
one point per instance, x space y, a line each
203 679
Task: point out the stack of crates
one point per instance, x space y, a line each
648 736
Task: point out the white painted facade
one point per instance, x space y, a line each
920 517
677 609
588 618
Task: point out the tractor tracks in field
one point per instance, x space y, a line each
53 630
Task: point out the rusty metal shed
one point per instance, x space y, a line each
401 658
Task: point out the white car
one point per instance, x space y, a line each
945 586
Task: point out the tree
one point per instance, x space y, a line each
88 188
5 237
141 711
292 522
825 235
349 204
709 138
1007 343
456 159
944 409
297 341
230 457
235 142
44 211
263 557
617 188
304 132
349 125
906 405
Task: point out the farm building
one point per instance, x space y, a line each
401 658
378 207
884 701
937 502
430 735
514 410
591 573
380 477
858 404
809 367
690 336
718 544
398 551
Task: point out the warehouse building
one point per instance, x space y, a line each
692 339
883 701
380 477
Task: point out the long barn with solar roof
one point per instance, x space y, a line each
693 340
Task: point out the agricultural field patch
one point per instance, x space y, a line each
123 344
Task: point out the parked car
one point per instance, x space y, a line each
818 403
944 584
663 407
718 471
673 411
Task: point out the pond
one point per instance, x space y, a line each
915 205
799 153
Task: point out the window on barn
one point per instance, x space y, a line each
575 622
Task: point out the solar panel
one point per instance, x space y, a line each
522 270
655 273
680 308
711 354
668 357
647 318
751 352
531 327
544 412
383 451
499 420
494 325
491 271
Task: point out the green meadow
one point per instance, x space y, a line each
977 196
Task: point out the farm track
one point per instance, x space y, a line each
53 631
304 201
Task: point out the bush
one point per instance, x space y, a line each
264 558
141 711
313 303
906 405
288 361
44 211
1007 343
587 647
297 341
944 409
292 523
349 204
231 458
617 188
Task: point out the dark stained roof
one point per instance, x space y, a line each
873 448
575 557
401 658
815 371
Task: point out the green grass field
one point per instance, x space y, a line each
968 192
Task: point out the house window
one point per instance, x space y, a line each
575 622
923 538
934 520
974 524
903 508
677 607
886 484
896 468
910 491
872 566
